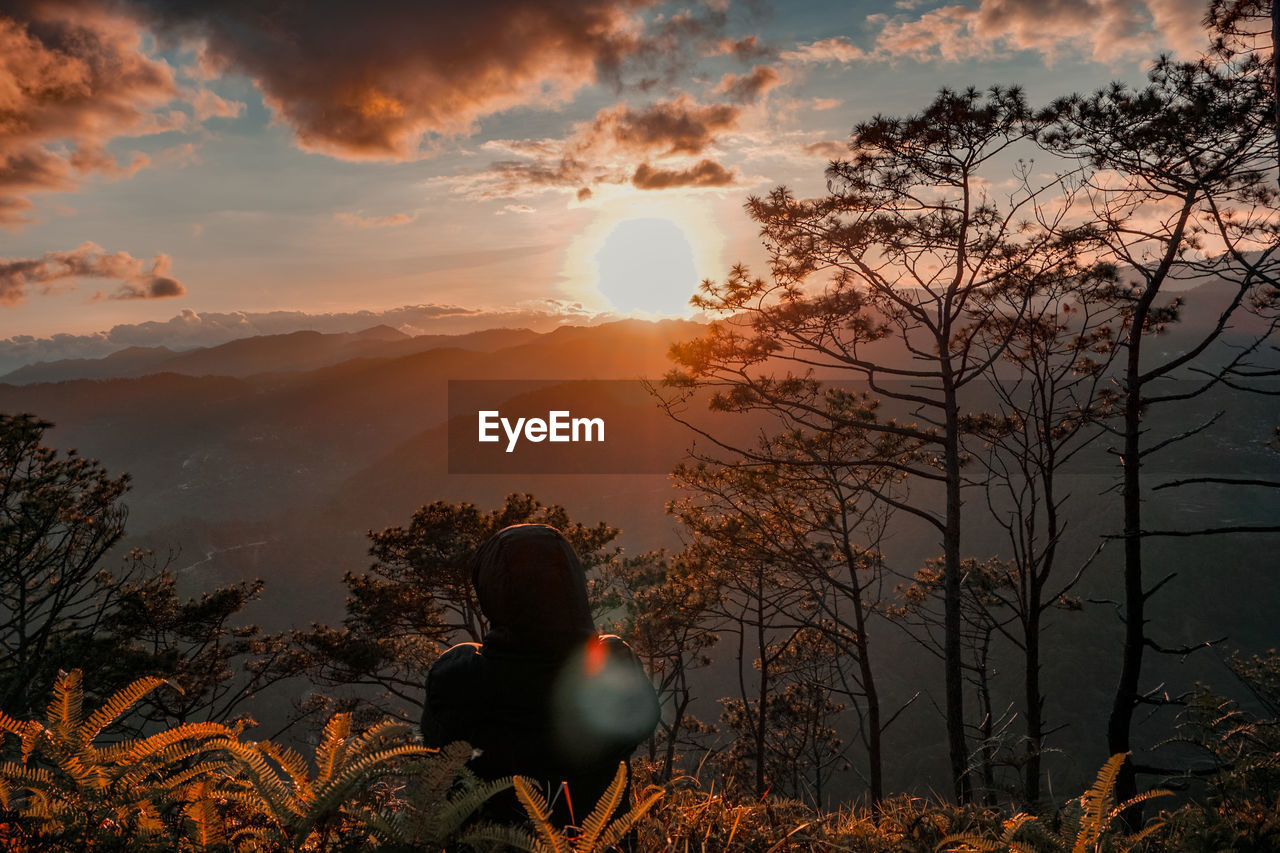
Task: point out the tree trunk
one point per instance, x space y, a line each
953 664
1126 696
1034 701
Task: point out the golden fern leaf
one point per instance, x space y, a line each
1137 800
436 776
971 842
119 702
604 808
1094 804
283 807
166 747
379 735
147 818
623 824
24 774
535 806
331 754
66 708
332 793
16 727
294 765
205 824
1138 837
195 773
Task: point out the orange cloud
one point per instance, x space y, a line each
746 49
382 80
828 148
18 276
358 220
1107 30
77 78
750 87
602 151
706 173
679 126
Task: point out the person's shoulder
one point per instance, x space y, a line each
614 644
456 662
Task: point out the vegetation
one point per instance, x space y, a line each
924 354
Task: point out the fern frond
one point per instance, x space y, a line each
294 765
25 774
280 802
66 708
975 843
338 789
485 835
120 702
449 816
206 827
1141 835
1137 800
620 827
380 734
195 772
604 808
535 806
1094 804
330 754
435 777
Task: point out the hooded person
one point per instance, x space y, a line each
544 696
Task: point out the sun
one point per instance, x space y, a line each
647 265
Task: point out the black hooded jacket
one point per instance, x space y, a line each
544 696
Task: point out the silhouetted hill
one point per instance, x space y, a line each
131 361
285 353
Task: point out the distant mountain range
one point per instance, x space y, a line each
244 357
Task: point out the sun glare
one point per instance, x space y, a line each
645 258
647 265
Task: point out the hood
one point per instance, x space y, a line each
532 587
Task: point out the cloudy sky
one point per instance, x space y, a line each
178 172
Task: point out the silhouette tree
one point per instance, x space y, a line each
1180 185
416 599
62 514
793 529
892 279
197 644
60 609
666 603
1045 414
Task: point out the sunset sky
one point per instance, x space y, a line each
181 173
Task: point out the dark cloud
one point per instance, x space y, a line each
706 173
748 88
153 287
19 276
376 80
603 150
679 126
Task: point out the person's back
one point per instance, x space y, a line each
544 696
